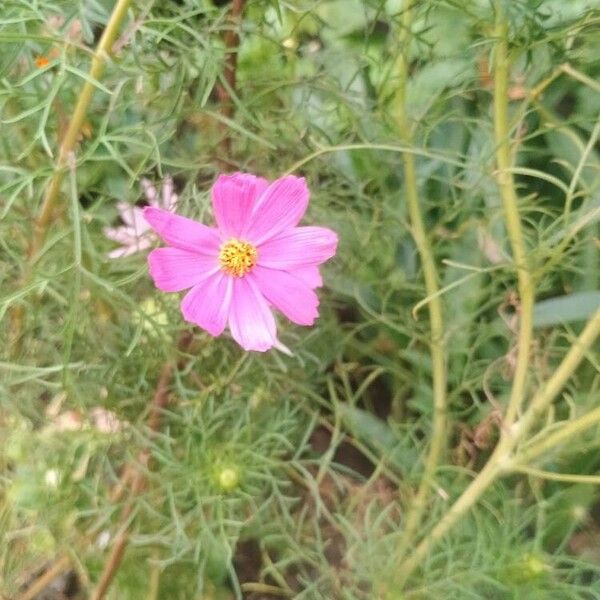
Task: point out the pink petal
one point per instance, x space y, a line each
167 191
126 213
181 232
171 203
131 247
174 270
280 207
251 321
292 296
169 197
122 252
298 247
208 303
233 197
310 275
121 235
140 225
133 217
149 190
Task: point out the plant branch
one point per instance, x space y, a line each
46 214
565 477
565 432
134 473
582 77
501 462
437 346
541 401
46 578
99 58
510 205
225 90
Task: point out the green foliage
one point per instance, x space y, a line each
294 472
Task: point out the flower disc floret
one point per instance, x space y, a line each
237 257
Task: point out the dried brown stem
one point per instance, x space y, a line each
46 578
133 474
231 38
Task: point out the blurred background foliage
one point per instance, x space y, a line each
276 475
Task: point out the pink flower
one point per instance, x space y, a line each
135 234
256 258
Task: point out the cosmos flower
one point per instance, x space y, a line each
135 234
255 259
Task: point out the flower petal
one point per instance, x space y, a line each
124 251
280 207
171 203
208 303
298 247
133 217
126 213
233 197
121 235
181 232
149 190
167 191
251 321
292 296
174 270
310 275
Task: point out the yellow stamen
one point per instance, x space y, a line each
237 257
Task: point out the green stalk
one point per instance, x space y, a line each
437 345
562 477
565 432
501 461
47 211
541 401
67 146
510 205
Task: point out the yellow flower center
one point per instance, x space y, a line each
237 257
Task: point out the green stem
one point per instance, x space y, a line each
510 205
564 477
575 74
46 213
565 432
437 346
541 401
501 461
97 67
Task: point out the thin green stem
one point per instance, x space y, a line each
46 214
501 461
565 432
575 74
437 346
565 477
68 143
510 205
541 401
384 147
